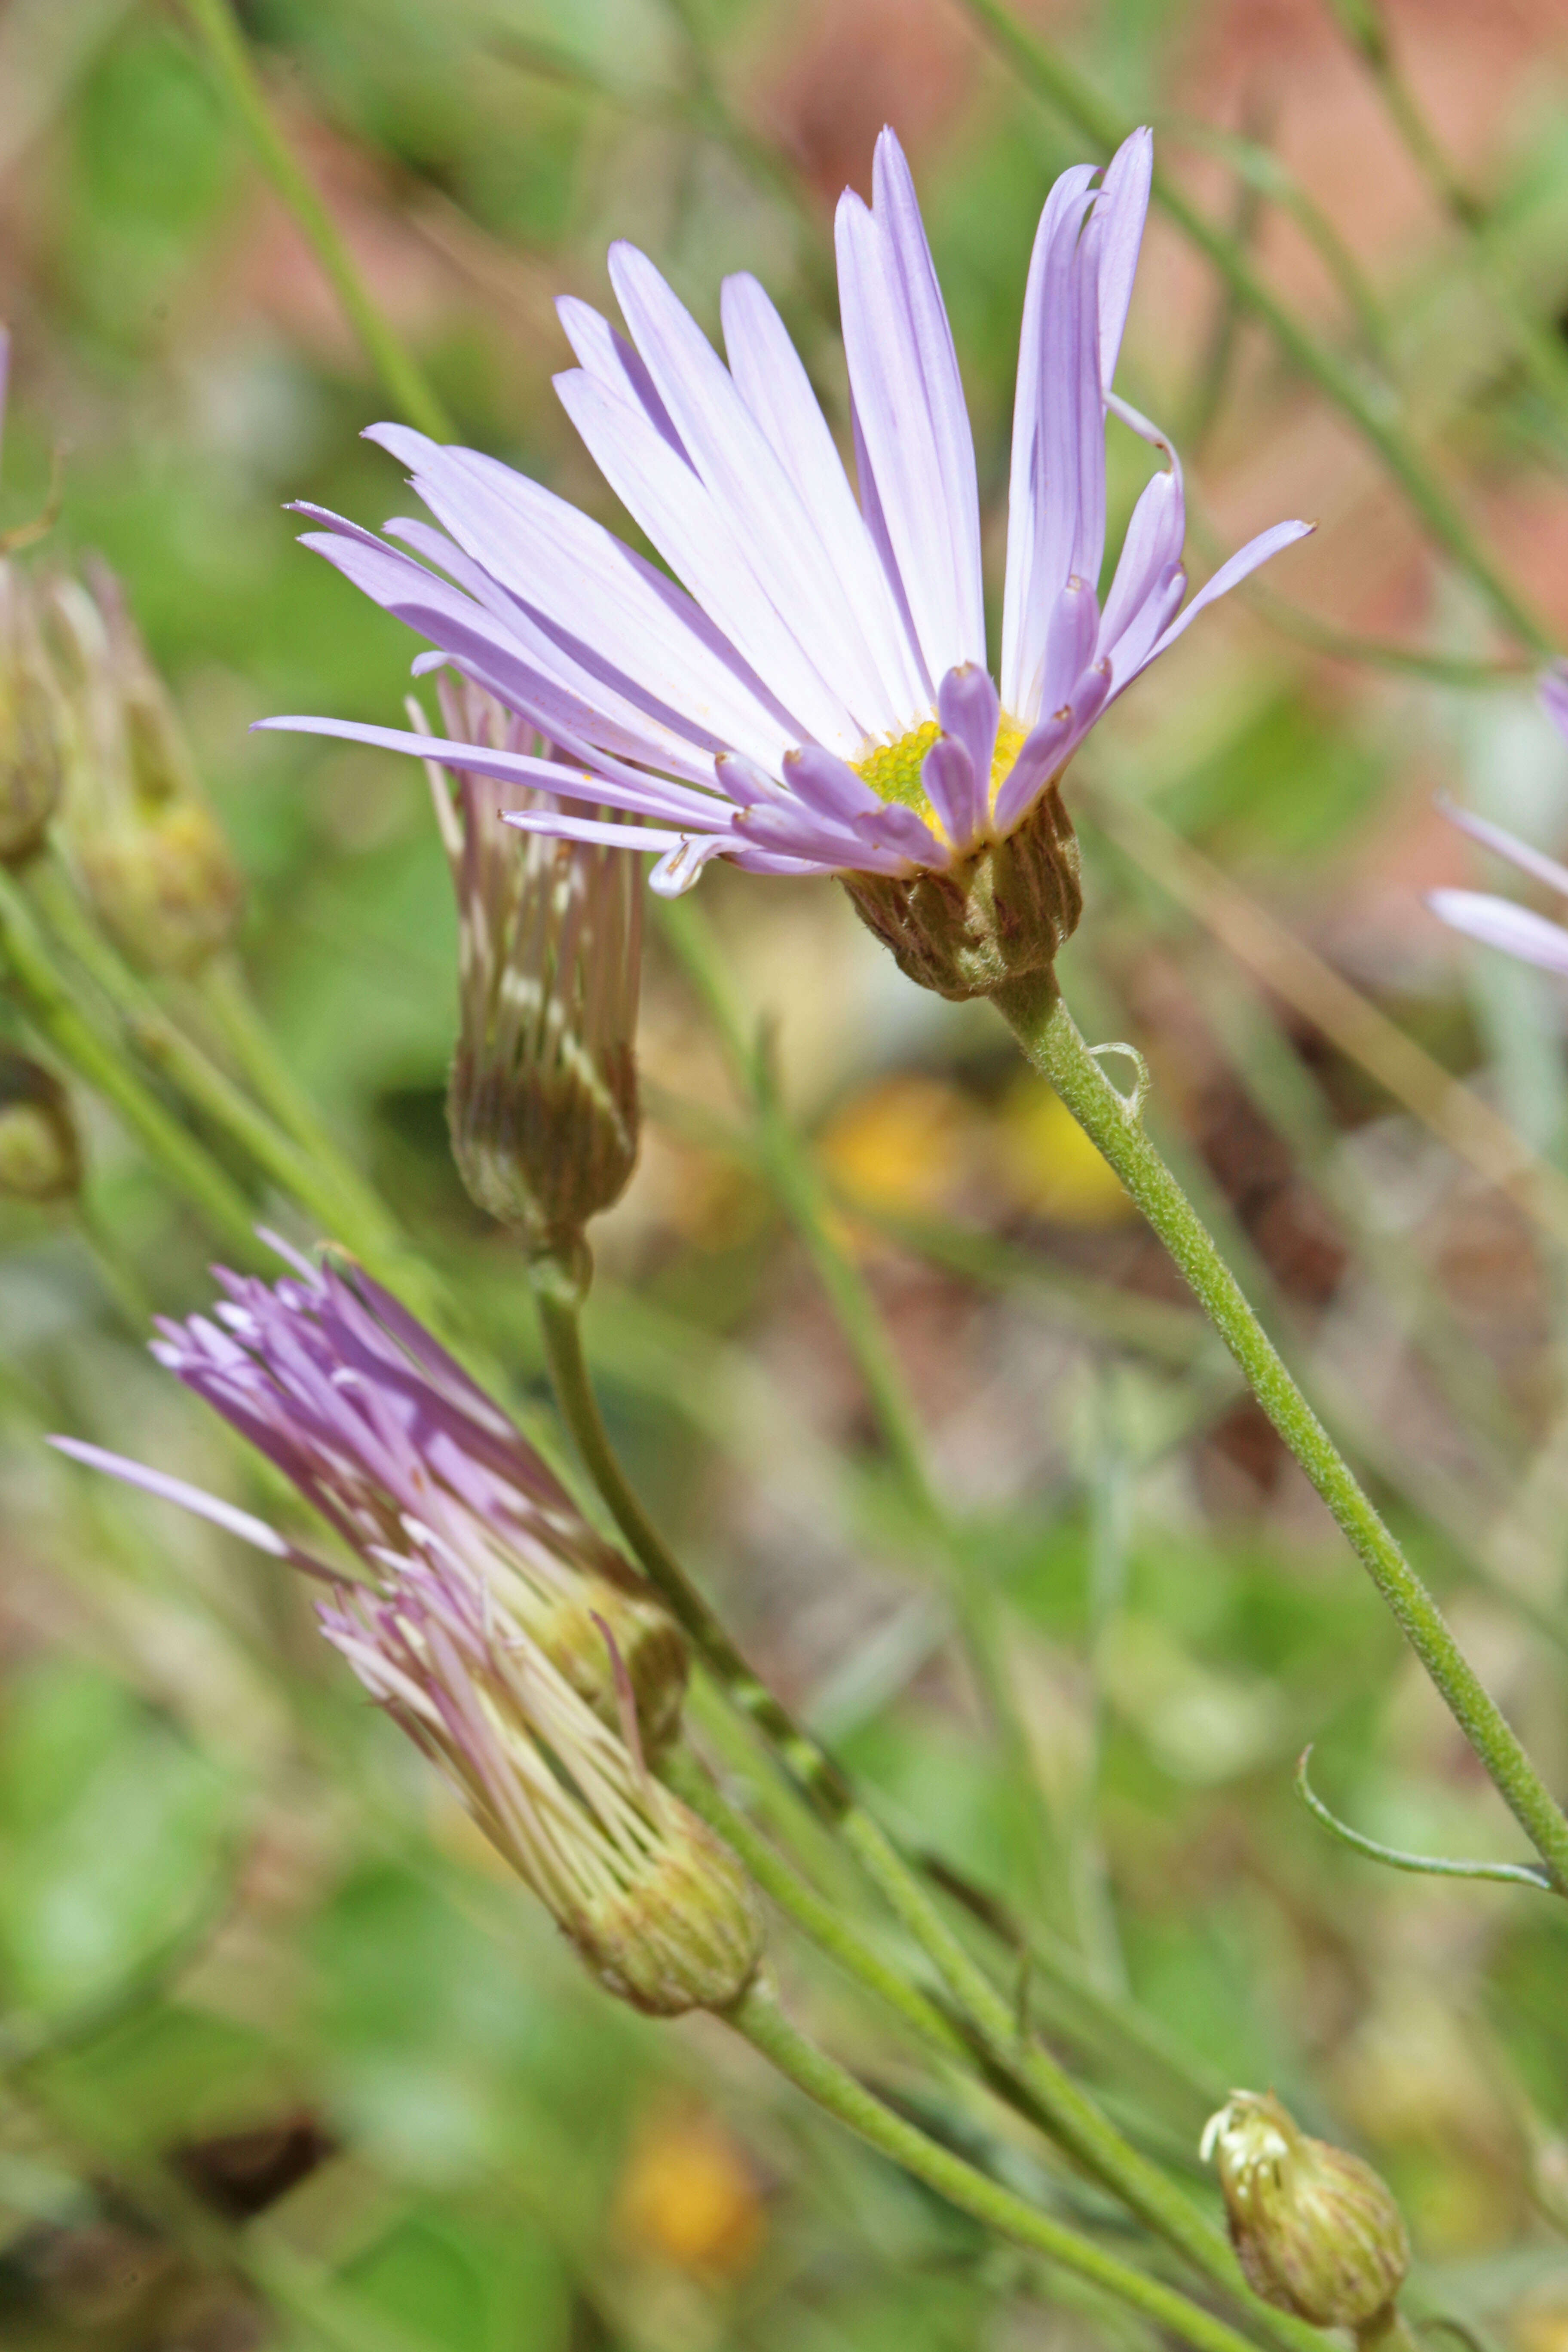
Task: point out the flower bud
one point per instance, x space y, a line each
685 1935
40 1156
1315 2230
168 891
33 723
1005 911
542 1098
150 856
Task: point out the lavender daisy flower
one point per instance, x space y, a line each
543 1098
1498 922
820 700
418 1473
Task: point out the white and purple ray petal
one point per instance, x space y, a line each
1500 922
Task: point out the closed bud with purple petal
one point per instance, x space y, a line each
543 1098
150 856
419 1473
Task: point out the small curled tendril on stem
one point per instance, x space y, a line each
1131 1104
1520 1874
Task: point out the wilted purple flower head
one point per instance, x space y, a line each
543 1098
1498 922
820 701
418 1473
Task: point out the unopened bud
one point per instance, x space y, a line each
40 1157
542 1099
149 853
685 1934
999 915
167 889
33 723
1315 2230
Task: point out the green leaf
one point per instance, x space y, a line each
467 2283
110 1826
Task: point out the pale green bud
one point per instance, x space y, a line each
33 723
40 1156
167 889
1315 2228
659 1907
149 854
685 1932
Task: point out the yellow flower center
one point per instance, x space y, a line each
893 769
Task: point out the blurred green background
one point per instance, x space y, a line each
286 2060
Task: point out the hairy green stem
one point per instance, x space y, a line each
1110 2020
1069 2113
826 1925
220 35
1043 1026
1082 2011
1052 77
830 2086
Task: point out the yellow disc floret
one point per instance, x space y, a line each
1010 737
893 769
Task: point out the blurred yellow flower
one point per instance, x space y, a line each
904 1145
1541 2324
689 2197
1051 1167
